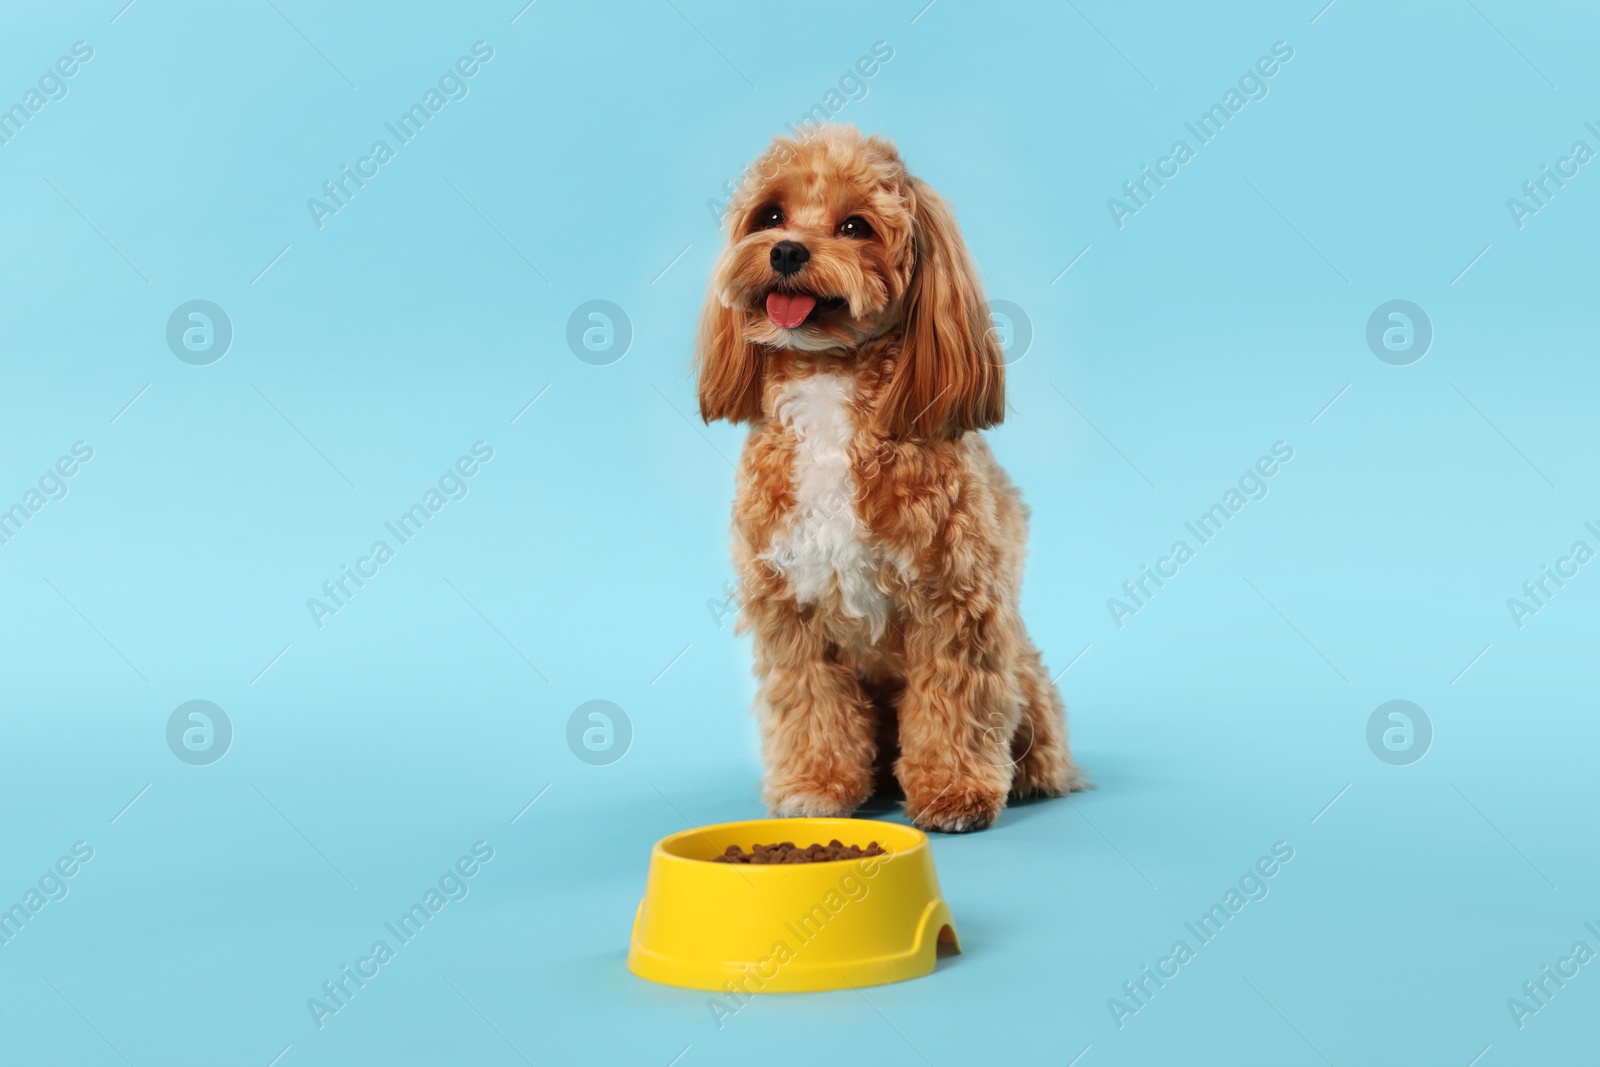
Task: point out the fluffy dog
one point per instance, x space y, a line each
878 544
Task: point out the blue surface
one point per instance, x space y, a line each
368 354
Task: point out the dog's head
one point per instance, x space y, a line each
831 245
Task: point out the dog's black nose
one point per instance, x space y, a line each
789 256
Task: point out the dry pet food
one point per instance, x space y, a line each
786 852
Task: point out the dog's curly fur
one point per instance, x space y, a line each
878 544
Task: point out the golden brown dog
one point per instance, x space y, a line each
878 544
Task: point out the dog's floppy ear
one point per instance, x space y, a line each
950 376
732 373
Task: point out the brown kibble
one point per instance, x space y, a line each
788 852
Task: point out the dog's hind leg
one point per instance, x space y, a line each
884 697
1039 747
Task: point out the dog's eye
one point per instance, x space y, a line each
768 217
855 226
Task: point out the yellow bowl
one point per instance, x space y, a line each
790 928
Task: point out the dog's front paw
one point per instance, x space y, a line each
815 799
957 808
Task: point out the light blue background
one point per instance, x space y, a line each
428 713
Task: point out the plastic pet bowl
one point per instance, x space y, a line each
790 928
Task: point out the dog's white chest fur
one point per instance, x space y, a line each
822 550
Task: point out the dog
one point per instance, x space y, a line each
878 544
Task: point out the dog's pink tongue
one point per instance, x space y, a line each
789 309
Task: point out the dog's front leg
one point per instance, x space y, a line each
957 716
818 732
